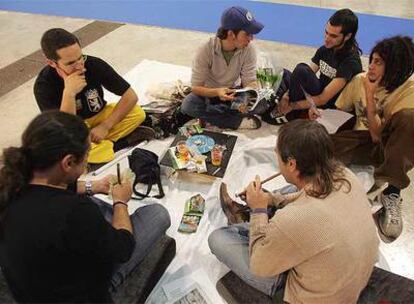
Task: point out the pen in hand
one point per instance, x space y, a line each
118 172
243 193
313 111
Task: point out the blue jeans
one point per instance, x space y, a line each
149 224
211 110
231 247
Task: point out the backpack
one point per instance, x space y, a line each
145 166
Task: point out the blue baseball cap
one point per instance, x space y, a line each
239 18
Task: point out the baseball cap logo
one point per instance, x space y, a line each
249 16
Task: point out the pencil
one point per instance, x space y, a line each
118 172
263 181
309 98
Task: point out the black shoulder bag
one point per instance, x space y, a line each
147 171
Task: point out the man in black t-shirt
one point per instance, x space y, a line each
338 61
73 82
58 245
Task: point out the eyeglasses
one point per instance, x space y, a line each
73 64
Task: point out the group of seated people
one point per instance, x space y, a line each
321 244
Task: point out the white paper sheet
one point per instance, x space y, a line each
332 119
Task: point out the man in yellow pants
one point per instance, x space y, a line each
74 82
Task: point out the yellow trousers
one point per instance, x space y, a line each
104 152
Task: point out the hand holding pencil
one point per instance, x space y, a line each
243 193
118 173
121 190
256 198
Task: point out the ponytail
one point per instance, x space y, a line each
47 139
14 174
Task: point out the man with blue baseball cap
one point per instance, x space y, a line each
223 63
237 17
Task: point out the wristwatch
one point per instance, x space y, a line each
88 187
258 210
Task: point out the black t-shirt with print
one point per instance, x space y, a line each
336 65
48 88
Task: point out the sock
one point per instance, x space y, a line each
391 189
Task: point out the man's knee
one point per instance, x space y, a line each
191 104
404 119
216 240
301 70
137 114
163 215
158 213
185 106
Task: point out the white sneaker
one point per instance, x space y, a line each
250 123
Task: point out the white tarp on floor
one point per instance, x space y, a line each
253 154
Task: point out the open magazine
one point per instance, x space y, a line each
257 101
249 100
185 291
195 295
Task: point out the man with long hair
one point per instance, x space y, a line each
383 101
338 60
224 62
57 244
73 82
310 247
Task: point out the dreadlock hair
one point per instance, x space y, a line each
348 21
398 55
47 139
309 144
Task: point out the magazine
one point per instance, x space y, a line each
177 161
189 223
195 205
159 106
249 100
187 290
195 295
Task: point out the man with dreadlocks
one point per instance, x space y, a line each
383 101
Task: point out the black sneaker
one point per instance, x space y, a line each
274 117
137 136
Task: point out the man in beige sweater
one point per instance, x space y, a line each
224 62
322 246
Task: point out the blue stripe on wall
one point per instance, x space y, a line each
283 23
